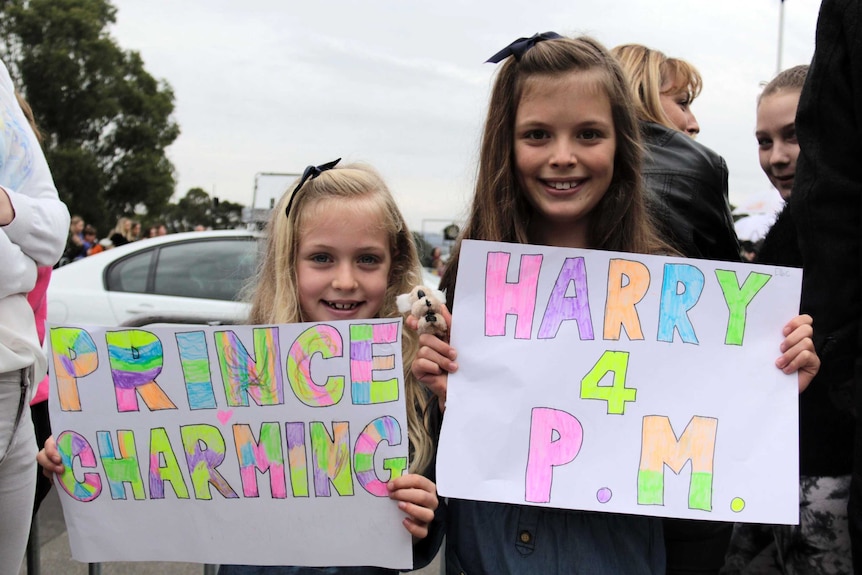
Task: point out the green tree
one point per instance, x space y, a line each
198 208
106 120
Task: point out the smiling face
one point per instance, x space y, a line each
342 263
776 139
564 153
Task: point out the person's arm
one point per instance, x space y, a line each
31 214
19 270
39 221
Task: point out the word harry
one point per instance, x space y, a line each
136 359
628 283
556 436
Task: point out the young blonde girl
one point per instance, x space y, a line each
337 249
559 165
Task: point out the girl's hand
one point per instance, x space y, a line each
417 496
798 354
49 459
435 360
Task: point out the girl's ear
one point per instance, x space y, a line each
403 302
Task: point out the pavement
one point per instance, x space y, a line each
55 556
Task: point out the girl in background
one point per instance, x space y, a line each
686 182
821 541
122 232
560 166
664 88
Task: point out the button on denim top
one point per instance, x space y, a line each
500 538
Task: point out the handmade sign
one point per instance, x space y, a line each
263 445
623 383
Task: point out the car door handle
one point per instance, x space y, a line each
142 308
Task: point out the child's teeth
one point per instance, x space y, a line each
562 185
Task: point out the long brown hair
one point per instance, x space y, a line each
499 210
274 290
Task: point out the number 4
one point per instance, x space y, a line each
616 394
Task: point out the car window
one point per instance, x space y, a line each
213 269
130 274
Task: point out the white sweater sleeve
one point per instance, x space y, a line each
19 270
41 223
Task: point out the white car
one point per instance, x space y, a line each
193 277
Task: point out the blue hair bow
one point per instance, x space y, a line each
309 173
520 46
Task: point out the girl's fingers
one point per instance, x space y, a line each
418 531
420 515
49 467
437 345
803 319
798 352
417 497
796 336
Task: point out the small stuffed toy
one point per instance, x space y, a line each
424 304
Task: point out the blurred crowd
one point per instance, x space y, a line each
83 239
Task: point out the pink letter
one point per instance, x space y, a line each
548 451
503 298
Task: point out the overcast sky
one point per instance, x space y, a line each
274 85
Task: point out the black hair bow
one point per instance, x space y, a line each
520 46
309 173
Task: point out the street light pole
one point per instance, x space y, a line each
780 35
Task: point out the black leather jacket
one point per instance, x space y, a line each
686 189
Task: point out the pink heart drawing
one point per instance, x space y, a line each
224 416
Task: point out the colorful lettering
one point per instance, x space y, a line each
737 299
365 390
72 445
195 361
628 282
330 456
680 291
164 466
265 456
382 429
503 298
325 340
123 467
74 354
296 458
136 359
561 307
243 376
205 450
616 394
555 439
660 447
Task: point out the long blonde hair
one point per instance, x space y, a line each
647 71
274 291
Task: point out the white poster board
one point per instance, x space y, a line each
263 445
622 383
